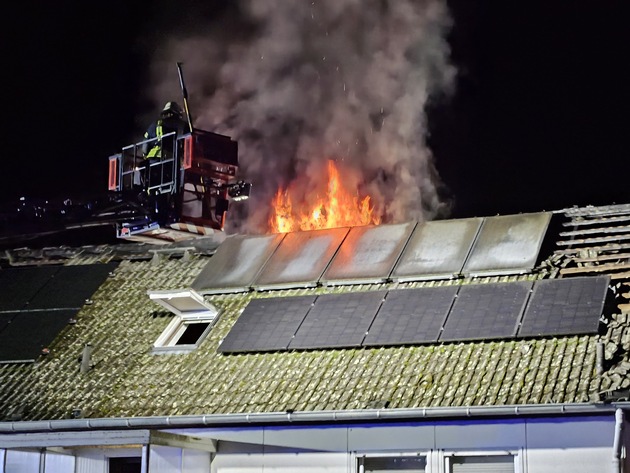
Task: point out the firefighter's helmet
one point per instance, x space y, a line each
172 108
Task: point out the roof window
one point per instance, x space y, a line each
194 318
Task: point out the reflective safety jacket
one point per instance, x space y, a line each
163 126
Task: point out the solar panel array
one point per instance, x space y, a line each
378 253
420 315
37 303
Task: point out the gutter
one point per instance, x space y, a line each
616 462
338 416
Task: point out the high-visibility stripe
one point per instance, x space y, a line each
156 151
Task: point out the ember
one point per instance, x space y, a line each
339 207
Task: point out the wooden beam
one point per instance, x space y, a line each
590 241
623 209
597 259
596 221
598 249
593 231
595 269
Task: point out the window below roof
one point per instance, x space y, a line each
477 463
384 464
125 464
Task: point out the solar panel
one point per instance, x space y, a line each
236 263
507 244
5 318
19 285
409 316
70 286
565 306
267 324
436 250
486 311
368 254
23 339
338 320
300 259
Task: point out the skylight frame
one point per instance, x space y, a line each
189 308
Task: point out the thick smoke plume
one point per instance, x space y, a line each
297 83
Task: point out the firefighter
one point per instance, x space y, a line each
159 148
160 169
170 120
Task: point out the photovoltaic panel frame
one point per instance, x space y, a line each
571 306
411 316
486 311
267 324
338 320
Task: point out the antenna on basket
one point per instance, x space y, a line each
185 93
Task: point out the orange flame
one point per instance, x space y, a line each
338 208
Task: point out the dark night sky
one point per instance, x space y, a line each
537 121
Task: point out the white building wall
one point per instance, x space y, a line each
96 460
17 461
282 462
165 459
58 463
91 463
176 460
542 445
582 446
195 461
